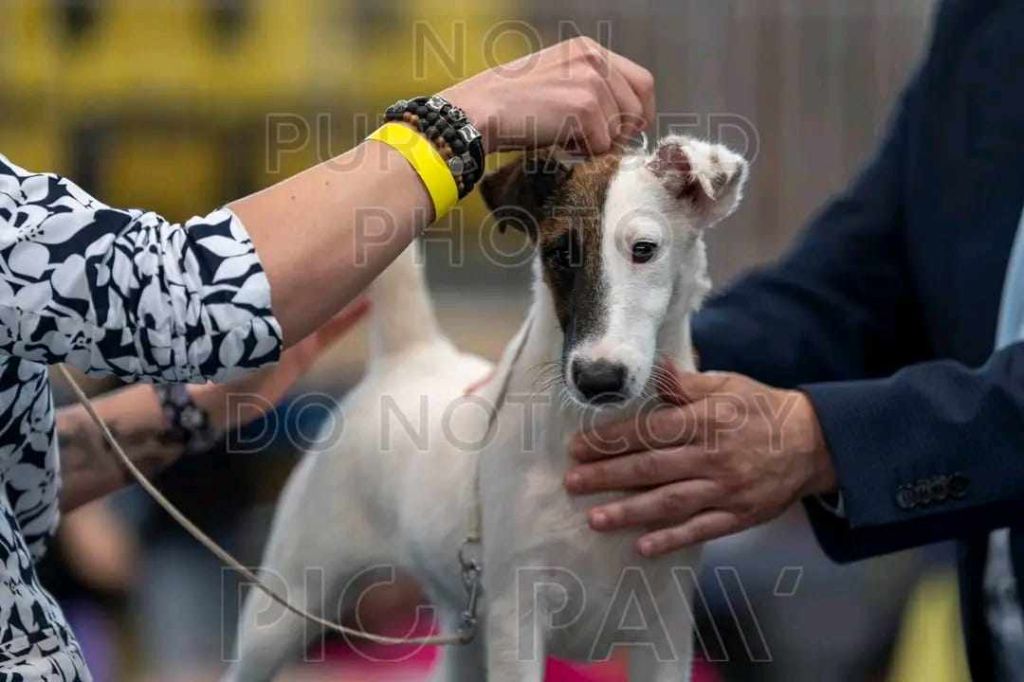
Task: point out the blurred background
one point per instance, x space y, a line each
181 105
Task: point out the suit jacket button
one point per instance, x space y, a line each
905 498
923 491
940 488
958 486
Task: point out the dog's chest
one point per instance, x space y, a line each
530 519
539 548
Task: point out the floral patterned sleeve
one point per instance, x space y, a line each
108 291
126 292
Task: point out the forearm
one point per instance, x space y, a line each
89 468
325 234
154 440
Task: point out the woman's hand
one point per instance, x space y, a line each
575 93
90 469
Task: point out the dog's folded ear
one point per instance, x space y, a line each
707 177
519 192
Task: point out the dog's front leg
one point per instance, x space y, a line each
645 666
465 663
669 658
516 645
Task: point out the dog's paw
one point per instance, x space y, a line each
710 177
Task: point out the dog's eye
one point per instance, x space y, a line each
644 251
562 257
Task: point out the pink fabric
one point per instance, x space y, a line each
411 665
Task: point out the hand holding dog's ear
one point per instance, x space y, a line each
576 93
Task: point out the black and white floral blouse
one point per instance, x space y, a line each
108 291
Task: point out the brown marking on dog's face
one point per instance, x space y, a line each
561 210
618 248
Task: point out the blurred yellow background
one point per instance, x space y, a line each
173 95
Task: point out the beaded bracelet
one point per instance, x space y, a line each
187 423
446 126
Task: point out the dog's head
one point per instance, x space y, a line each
619 249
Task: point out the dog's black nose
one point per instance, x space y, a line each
599 381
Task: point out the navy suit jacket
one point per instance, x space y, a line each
885 313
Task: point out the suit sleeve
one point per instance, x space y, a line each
831 314
932 453
127 292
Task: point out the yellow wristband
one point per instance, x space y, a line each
427 162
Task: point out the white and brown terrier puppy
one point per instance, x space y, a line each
620 266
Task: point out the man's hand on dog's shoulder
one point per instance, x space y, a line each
725 454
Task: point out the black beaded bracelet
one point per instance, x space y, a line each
456 139
187 423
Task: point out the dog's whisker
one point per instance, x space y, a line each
661 379
548 377
541 367
545 375
567 401
545 383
